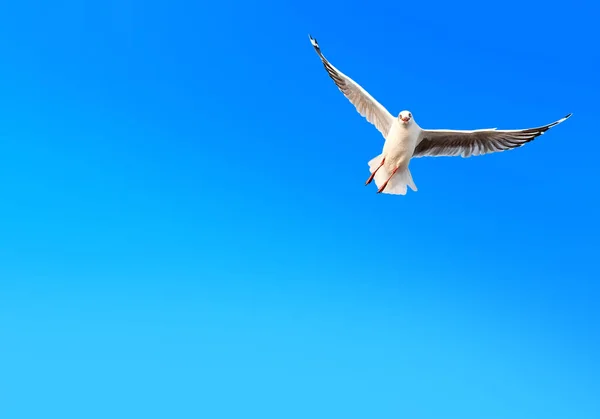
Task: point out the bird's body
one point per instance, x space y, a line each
400 144
405 139
395 157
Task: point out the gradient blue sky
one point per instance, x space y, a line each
184 230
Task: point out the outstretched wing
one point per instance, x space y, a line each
436 143
365 104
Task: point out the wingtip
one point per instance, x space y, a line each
313 41
565 118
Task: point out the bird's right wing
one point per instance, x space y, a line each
365 104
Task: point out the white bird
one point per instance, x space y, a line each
405 139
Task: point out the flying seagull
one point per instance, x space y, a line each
404 139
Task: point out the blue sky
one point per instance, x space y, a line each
184 230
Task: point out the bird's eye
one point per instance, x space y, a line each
410 115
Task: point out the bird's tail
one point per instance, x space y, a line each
398 183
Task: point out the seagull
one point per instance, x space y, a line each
405 139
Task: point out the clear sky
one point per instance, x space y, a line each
185 230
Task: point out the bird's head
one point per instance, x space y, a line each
405 117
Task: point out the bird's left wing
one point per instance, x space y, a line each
364 103
436 143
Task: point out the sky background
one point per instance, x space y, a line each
185 230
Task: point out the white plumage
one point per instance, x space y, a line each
404 139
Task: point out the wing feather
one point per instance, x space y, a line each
364 103
436 143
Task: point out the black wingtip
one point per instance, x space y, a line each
563 119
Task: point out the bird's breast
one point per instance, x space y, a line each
399 145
